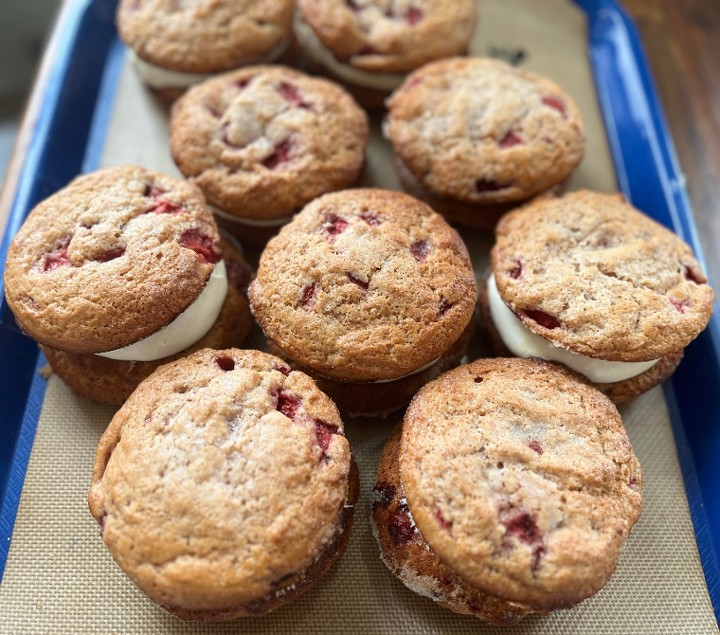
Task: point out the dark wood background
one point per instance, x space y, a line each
682 42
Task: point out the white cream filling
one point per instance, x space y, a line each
415 372
522 342
322 55
271 222
159 77
186 329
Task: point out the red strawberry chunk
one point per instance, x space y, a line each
280 156
288 404
202 245
324 433
419 249
543 319
58 257
334 225
308 294
401 527
225 362
414 15
358 281
556 103
291 94
509 140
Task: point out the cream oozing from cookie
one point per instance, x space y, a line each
186 329
322 55
522 342
253 222
159 77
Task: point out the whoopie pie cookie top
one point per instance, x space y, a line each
222 475
364 285
481 131
110 259
264 140
591 274
203 37
390 35
521 479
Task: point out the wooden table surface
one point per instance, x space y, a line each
682 42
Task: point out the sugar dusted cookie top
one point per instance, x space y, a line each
203 36
223 476
593 275
480 131
263 141
390 35
521 479
110 259
364 285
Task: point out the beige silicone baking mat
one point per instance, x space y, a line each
60 579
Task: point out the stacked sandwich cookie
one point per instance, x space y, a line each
264 141
175 45
120 271
475 137
591 282
367 290
224 486
370 45
510 490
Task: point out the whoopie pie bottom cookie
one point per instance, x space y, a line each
510 489
111 380
224 486
381 398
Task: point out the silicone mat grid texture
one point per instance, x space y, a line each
60 578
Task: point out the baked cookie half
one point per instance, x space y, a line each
591 282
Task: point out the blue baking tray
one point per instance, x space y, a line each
69 136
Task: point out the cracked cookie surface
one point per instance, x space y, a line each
480 131
521 479
593 275
221 481
364 285
265 140
109 259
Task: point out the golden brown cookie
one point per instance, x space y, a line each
263 141
223 485
408 556
178 44
371 44
479 132
591 282
521 480
111 259
364 285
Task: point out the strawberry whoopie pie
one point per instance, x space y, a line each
370 292
263 141
176 44
118 272
475 137
510 489
370 45
224 486
591 282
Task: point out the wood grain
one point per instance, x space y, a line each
682 42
